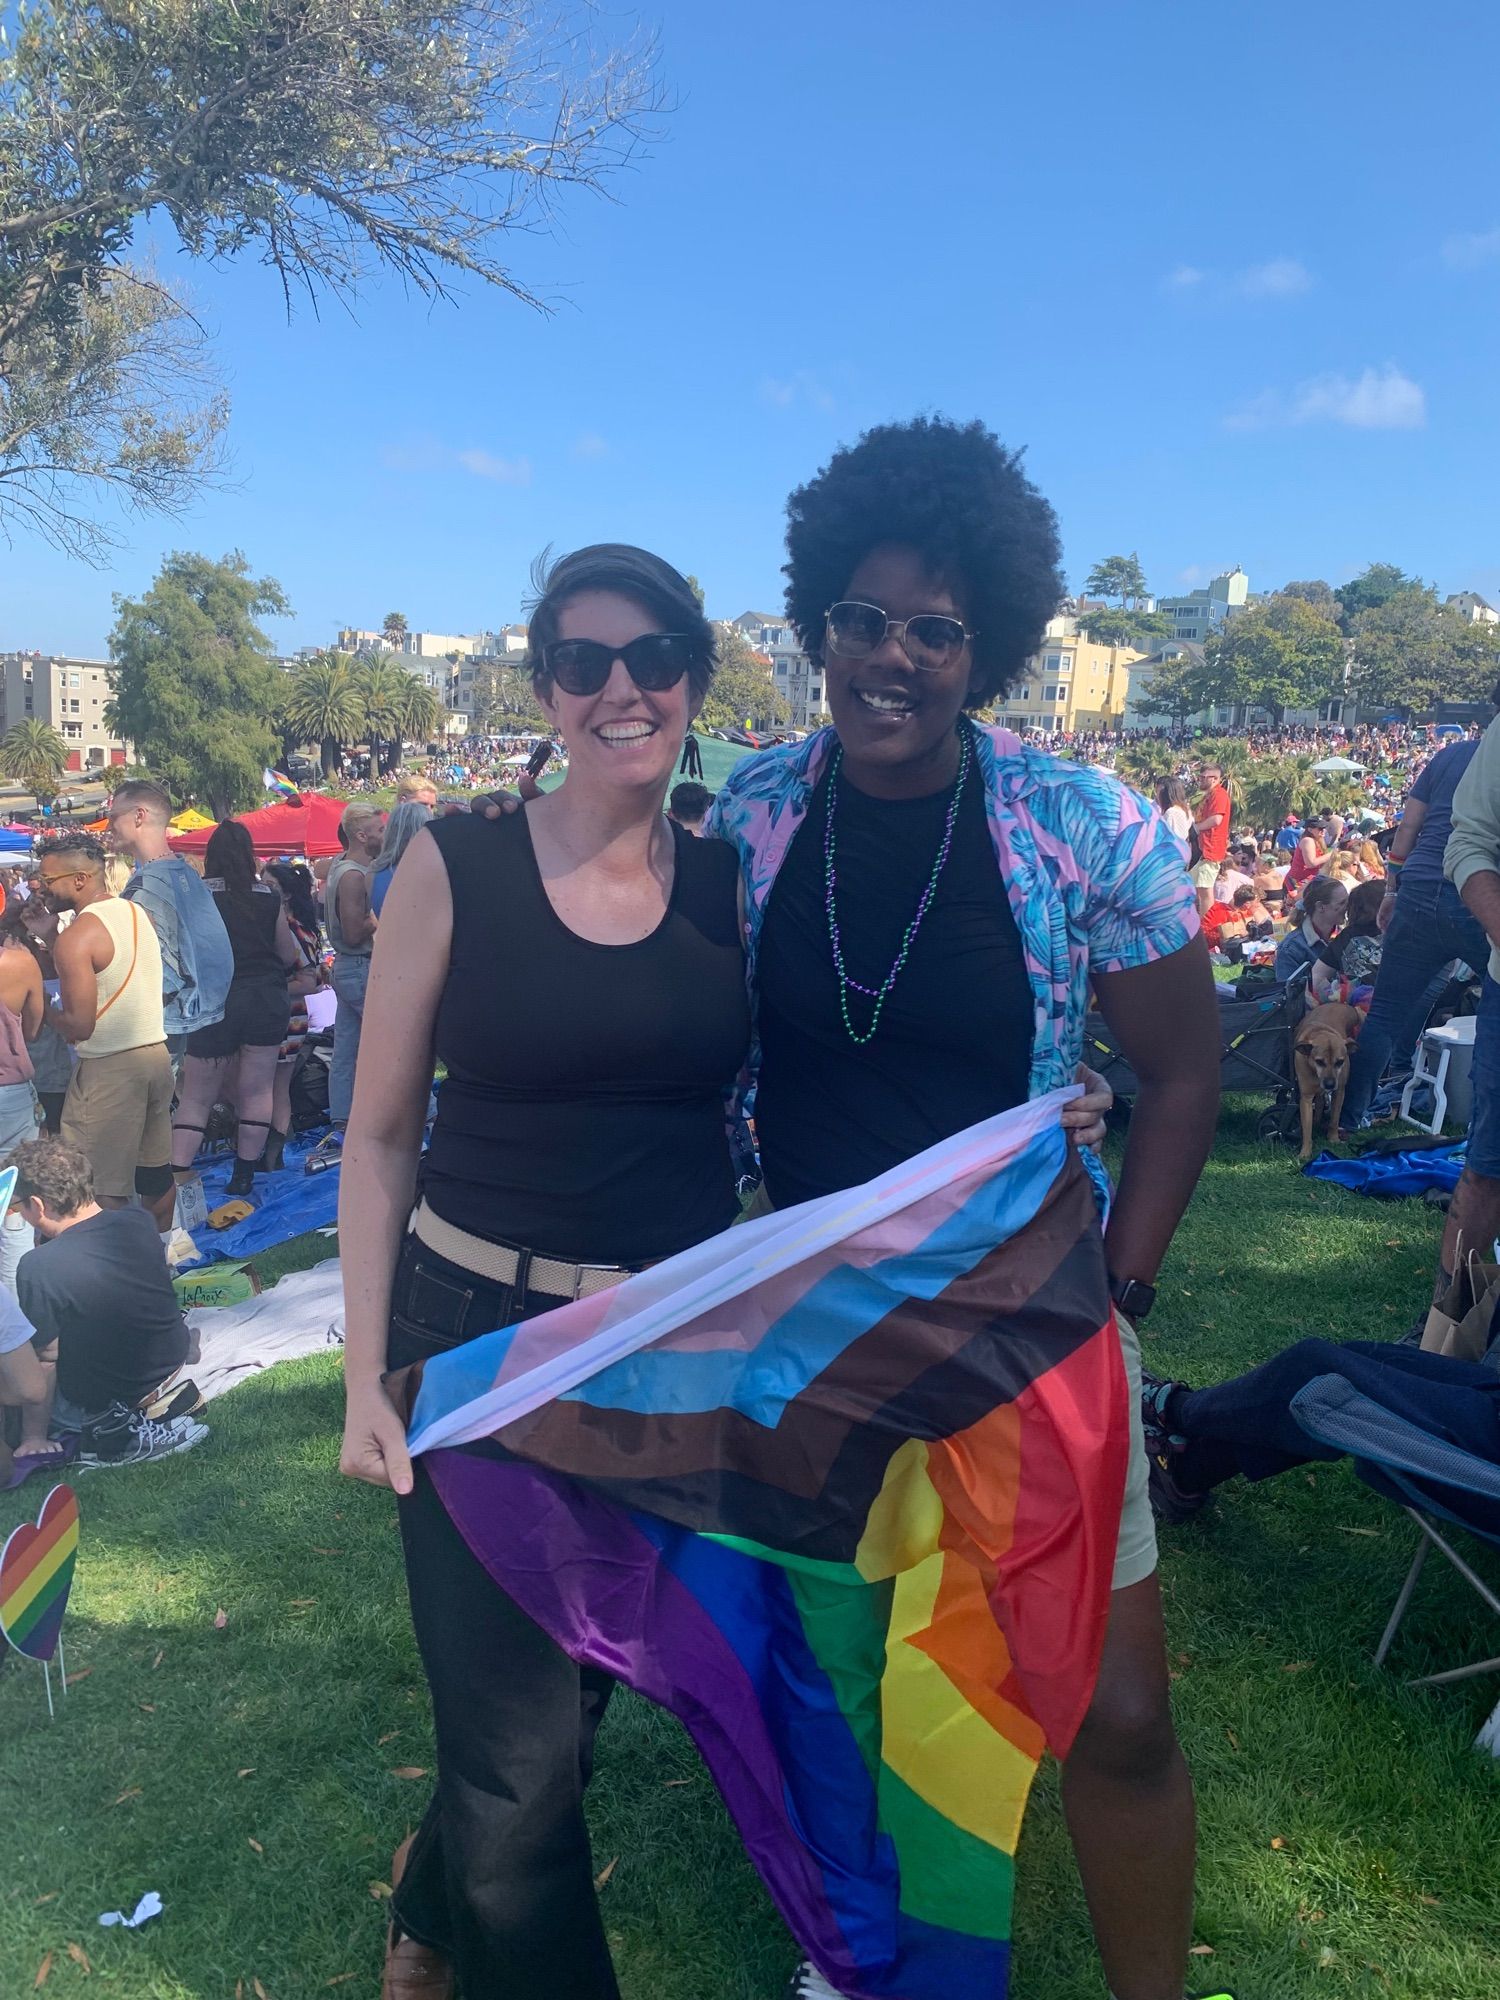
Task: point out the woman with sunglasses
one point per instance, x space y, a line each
578 969
929 903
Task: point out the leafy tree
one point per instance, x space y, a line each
379 682
1318 595
1372 588
420 713
1177 689
34 756
1410 651
322 705
1124 620
194 685
1119 579
326 138
1276 786
1278 655
744 687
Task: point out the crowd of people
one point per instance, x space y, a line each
901 922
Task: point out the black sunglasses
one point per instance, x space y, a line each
656 661
930 641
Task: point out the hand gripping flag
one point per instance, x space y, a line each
841 1489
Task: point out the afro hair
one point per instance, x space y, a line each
956 495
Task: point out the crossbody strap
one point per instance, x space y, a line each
135 952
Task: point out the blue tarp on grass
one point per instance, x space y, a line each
1389 1176
287 1204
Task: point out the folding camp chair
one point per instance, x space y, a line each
1425 1476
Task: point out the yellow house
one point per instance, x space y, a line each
1071 684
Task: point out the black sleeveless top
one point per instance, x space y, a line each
250 919
582 1114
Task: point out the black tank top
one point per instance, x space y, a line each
250 919
582 1114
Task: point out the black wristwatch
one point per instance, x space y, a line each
1133 1298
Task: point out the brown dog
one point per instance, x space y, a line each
1321 1050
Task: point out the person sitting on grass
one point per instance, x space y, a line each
1318 917
688 805
1244 916
108 1325
1198 1438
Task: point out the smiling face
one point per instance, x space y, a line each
896 722
624 736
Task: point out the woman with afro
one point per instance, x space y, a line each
941 974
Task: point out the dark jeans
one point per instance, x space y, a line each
500 1877
1246 1426
1430 925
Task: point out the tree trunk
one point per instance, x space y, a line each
328 753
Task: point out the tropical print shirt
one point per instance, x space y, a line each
1094 876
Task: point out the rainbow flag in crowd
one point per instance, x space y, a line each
840 1488
279 783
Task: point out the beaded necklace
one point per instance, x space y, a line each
881 993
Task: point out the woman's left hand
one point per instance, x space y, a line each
1084 1117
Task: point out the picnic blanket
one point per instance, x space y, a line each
840 1488
1390 1176
303 1314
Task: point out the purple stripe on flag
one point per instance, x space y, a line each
520 1527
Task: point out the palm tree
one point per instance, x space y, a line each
393 629
323 705
381 686
420 714
34 756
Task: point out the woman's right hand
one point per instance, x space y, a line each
374 1447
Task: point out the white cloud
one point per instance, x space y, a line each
1380 399
426 454
1281 278
485 465
798 387
1468 252
1183 279
590 445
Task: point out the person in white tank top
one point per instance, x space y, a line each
118 1110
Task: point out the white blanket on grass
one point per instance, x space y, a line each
302 1314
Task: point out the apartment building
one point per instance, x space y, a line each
798 680
1070 684
71 695
1198 615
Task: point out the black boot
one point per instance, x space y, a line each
270 1159
242 1180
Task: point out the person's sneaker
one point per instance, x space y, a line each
806 1983
1169 1501
176 1398
123 1436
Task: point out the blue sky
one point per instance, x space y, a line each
1231 275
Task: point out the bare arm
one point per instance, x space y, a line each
22 979
1407 831
287 948
1166 1019
356 919
81 951
378 1174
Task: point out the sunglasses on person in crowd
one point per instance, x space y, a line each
930 640
655 662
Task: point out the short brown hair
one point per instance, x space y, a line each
55 1172
141 792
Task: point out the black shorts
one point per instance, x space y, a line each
255 1017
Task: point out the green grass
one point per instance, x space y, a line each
1382 1886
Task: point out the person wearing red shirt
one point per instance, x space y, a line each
1211 823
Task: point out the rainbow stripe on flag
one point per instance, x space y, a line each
841 1489
279 783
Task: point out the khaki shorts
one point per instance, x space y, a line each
1135 1551
118 1113
1206 874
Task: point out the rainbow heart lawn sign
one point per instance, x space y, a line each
36 1574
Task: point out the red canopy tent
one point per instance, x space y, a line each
309 827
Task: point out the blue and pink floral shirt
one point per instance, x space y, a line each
1094 875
